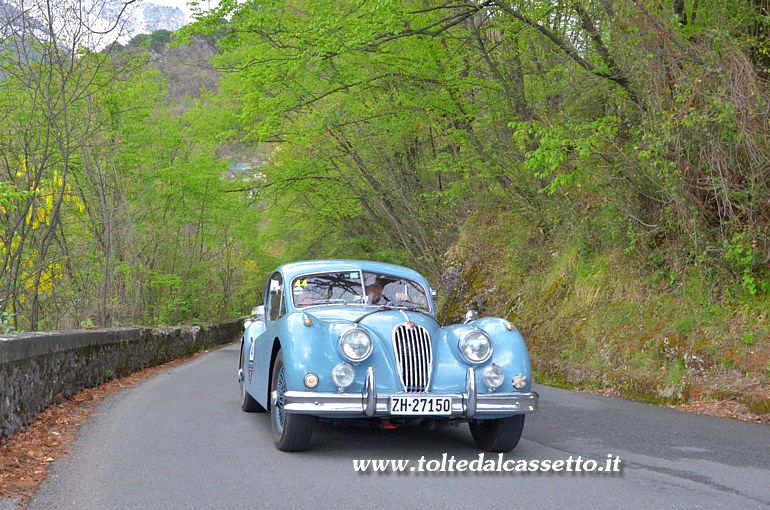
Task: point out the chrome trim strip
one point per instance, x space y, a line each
470 392
355 405
414 356
370 394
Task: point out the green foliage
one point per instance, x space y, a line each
741 252
155 42
126 218
5 323
563 152
685 326
613 158
11 197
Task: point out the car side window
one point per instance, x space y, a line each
276 307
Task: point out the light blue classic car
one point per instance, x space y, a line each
356 340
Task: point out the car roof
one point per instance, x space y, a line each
295 269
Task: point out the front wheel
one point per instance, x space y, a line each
291 432
500 435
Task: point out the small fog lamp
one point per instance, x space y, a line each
493 376
342 375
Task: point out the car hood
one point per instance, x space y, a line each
380 325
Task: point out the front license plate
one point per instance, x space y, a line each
441 406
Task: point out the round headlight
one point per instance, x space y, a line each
355 344
342 375
475 346
493 376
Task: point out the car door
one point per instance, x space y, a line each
275 310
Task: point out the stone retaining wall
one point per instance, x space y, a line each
36 368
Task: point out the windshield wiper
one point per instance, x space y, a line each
367 314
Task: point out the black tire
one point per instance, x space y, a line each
497 435
291 432
248 403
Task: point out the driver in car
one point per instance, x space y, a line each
374 293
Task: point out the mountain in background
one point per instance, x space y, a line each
145 18
133 19
14 20
107 20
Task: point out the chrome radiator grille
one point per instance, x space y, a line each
414 356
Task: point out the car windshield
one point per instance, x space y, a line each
327 288
357 287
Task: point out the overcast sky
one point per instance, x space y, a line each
182 4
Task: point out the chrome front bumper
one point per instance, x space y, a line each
368 404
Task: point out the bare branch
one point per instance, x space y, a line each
566 47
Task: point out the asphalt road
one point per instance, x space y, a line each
180 440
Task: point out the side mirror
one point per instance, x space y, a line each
258 313
470 316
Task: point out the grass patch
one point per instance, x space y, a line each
593 317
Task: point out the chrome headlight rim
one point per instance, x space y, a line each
462 343
345 335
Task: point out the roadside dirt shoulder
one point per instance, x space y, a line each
25 458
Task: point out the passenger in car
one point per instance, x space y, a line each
307 297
